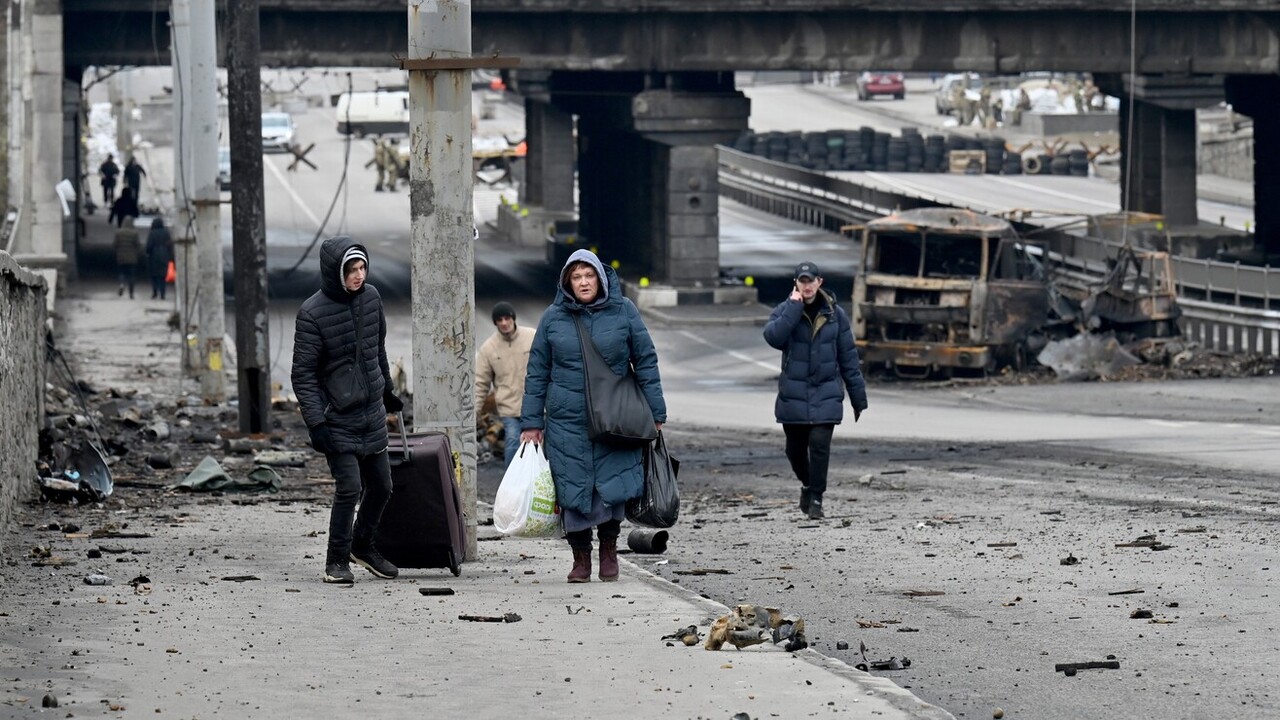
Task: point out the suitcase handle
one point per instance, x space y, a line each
404 438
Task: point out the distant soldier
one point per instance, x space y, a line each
1090 95
1023 105
392 167
984 109
380 162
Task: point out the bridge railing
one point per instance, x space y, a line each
1226 306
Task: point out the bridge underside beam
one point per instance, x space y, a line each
733 38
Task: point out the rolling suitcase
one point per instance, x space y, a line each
422 525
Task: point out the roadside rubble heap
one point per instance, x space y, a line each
96 441
749 625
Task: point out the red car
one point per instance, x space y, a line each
871 84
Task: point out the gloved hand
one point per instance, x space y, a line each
321 438
393 403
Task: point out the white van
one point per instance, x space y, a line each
373 113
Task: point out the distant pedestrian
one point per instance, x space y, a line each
818 358
109 171
127 247
133 173
343 383
125 206
501 365
159 255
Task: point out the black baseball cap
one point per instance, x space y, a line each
807 269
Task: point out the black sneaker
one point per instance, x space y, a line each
373 561
804 499
815 508
337 571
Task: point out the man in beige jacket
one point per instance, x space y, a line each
501 365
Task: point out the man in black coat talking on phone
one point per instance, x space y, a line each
343 384
820 367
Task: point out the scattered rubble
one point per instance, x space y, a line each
749 625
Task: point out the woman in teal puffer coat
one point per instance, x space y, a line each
593 480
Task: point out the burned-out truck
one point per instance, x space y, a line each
943 289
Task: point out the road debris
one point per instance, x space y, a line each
1070 559
892 663
923 593
241 578
98 579
435 591
1070 669
1134 591
688 635
1140 614
750 625
504 618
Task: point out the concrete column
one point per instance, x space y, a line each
686 246
15 115
71 149
1163 162
549 181
185 260
203 131
42 142
647 178
442 247
1254 95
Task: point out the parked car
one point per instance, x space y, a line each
277 131
944 100
871 84
224 168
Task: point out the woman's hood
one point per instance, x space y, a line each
608 278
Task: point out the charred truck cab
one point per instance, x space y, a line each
942 289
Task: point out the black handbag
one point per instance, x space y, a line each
617 411
659 505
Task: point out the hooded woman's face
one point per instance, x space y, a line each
584 282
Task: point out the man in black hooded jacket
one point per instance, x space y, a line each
343 383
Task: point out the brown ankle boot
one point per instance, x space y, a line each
609 559
581 571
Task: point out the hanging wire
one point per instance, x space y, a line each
342 183
1127 199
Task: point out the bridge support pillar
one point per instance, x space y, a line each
1254 95
549 161
1162 158
648 179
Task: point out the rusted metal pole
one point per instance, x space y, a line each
440 192
204 169
248 217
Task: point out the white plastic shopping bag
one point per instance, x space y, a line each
526 502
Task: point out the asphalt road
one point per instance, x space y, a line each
922 488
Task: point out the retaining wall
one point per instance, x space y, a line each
22 380
1230 156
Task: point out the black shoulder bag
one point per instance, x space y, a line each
617 411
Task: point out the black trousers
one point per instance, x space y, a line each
581 540
363 480
809 450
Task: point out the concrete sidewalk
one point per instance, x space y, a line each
200 638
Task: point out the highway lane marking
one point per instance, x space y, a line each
1108 206
731 353
289 189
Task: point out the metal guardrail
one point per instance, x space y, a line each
1226 306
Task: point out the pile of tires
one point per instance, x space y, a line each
867 149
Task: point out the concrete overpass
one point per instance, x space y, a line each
652 86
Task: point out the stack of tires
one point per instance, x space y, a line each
994 148
935 154
867 149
